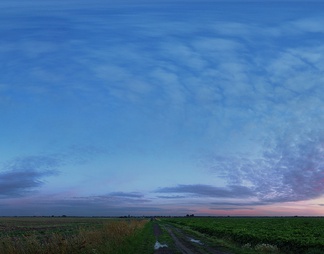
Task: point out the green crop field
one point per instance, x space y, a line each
272 234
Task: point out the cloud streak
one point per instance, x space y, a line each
22 175
209 191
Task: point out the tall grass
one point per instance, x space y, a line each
104 239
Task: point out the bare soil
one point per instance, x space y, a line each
157 230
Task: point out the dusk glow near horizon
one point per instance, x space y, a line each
114 108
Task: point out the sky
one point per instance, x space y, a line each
114 108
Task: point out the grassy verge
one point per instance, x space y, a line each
141 242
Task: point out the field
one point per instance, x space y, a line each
226 235
74 235
263 235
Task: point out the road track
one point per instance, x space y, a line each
184 243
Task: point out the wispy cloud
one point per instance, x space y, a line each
289 169
209 191
308 25
79 207
127 194
112 204
232 208
240 203
172 197
116 198
171 64
22 175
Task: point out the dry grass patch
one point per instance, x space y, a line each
104 238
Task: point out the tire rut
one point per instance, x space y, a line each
187 244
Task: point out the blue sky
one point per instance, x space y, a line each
167 108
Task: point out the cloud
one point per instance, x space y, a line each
172 197
127 194
29 163
240 203
209 191
21 175
309 25
217 45
291 168
297 69
79 207
235 29
116 198
184 61
231 208
112 204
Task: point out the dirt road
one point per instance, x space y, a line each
183 242
160 248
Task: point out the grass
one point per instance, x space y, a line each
165 238
142 242
75 235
